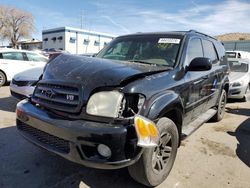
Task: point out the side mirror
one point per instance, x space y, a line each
200 64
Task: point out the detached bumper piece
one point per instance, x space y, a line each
93 144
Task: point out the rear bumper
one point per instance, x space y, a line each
77 140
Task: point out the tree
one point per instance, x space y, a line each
15 24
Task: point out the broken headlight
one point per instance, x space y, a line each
114 104
105 103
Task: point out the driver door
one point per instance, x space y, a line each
198 81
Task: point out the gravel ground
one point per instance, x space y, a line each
216 155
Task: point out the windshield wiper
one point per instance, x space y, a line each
148 63
144 62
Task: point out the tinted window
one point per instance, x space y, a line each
209 50
13 56
158 50
35 57
220 49
221 52
194 50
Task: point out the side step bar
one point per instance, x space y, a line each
191 127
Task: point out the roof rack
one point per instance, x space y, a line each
194 31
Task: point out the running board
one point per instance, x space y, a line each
191 127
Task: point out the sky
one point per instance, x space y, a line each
119 17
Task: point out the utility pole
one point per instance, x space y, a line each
82 19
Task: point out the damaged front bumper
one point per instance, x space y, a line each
78 140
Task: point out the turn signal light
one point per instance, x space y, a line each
20 115
147 132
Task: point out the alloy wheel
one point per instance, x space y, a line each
162 153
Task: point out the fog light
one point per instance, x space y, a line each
104 150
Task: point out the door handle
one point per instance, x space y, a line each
198 81
205 77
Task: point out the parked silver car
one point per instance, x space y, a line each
23 84
239 78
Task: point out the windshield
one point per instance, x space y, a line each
156 50
237 66
231 54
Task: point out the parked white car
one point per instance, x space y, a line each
239 78
23 84
238 54
15 61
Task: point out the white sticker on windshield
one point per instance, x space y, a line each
169 40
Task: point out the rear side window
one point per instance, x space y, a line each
209 51
12 56
35 57
194 50
220 49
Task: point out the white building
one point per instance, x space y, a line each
75 41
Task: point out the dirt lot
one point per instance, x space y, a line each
216 155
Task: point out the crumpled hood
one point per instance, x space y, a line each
95 71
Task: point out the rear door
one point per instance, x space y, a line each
212 88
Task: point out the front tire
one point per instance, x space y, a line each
3 79
244 99
221 107
156 163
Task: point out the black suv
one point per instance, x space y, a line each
131 105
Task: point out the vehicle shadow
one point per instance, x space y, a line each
242 134
26 165
8 104
238 111
235 101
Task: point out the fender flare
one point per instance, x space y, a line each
164 103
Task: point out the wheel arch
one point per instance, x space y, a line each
170 106
226 87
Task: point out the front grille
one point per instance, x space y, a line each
20 83
234 91
53 142
17 95
57 97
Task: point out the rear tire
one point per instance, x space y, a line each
221 107
156 163
3 79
